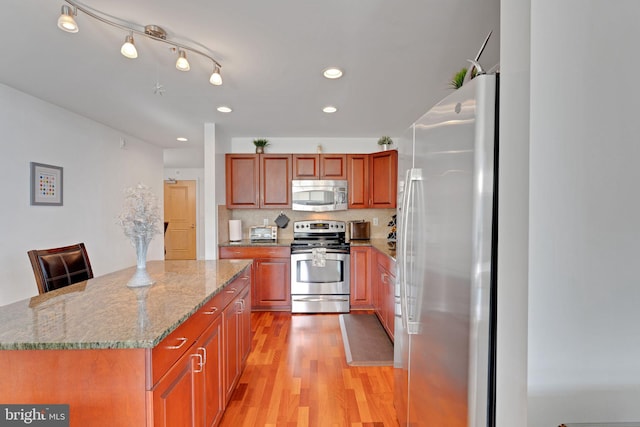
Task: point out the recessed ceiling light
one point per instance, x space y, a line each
329 109
332 73
181 139
224 109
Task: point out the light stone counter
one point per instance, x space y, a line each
104 313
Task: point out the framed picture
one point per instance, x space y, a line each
46 185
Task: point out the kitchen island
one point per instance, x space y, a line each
168 354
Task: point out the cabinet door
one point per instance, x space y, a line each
358 180
333 166
272 284
245 327
174 403
389 302
275 183
230 326
306 166
361 277
242 173
210 347
383 172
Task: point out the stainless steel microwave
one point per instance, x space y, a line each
319 195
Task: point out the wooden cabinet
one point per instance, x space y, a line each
319 166
235 340
383 172
256 181
196 388
360 270
358 179
384 290
372 179
271 288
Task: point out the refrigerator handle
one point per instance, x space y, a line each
413 175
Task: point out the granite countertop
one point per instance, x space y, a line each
247 242
104 313
380 244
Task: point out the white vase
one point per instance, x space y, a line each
141 277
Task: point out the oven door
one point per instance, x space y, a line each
323 274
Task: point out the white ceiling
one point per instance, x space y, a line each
397 57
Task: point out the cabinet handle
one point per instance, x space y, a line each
232 291
204 353
239 308
199 356
175 347
213 310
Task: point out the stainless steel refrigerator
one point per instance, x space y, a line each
446 256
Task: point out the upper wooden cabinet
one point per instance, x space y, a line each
372 179
383 176
319 166
258 180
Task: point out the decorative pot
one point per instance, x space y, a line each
259 150
385 147
141 277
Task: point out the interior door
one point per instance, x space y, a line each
180 214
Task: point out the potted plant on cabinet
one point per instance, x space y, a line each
385 142
260 144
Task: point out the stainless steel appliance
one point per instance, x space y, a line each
446 279
320 260
319 195
263 233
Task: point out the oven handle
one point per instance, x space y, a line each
323 299
329 251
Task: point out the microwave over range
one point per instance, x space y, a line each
319 195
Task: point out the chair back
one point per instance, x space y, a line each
59 267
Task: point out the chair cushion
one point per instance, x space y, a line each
64 269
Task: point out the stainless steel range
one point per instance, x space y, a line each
320 260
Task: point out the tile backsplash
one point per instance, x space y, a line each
250 217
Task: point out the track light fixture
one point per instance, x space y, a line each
66 22
128 49
182 64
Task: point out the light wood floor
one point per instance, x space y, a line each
297 375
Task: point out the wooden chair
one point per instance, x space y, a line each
59 267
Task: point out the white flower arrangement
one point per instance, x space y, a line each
140 218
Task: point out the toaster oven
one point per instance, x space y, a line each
263 233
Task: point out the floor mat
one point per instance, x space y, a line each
365 341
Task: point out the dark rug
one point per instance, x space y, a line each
365 341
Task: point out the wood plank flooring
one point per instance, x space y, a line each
297 375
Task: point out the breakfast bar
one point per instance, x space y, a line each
166 354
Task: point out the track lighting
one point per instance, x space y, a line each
216 78
66 22
182 64
128 49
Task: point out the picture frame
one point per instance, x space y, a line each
46 185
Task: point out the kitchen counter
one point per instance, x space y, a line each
103 313
380 244
247 242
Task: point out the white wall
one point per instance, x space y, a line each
584 319
308 145
96 170
511 376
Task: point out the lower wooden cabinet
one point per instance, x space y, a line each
195 390
271 289
383 283
360 270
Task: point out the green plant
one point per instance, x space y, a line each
260 142
385 140
458 79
